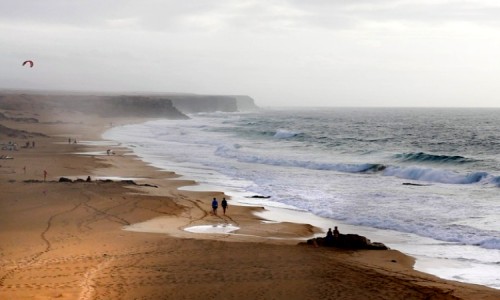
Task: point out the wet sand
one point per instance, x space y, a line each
66 240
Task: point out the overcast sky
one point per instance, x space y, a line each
288 52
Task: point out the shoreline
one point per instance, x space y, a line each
74 245
432 256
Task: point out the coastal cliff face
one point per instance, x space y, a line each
104 106
171 106
190 103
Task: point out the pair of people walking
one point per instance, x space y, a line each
215 205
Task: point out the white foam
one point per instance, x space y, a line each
328 185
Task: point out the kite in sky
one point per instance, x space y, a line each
30 62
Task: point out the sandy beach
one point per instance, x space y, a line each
66 240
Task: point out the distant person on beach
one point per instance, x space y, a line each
44 175
215 204
329 237
224 205
33 144
69 141
336 232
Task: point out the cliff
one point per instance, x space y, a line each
104 106
173 106
191 103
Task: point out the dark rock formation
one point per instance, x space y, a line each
414 184
64 179
348 241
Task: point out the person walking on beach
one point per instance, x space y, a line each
44 175
224 205
215 204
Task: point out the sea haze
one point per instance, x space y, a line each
427 179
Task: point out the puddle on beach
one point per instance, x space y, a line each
219 228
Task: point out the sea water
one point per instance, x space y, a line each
423 181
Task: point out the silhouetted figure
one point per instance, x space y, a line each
336 232
215 204
224 205
44 175
329 237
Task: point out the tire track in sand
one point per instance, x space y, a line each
25 262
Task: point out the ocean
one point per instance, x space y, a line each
425 181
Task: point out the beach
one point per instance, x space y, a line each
72 240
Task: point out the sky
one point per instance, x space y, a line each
416 53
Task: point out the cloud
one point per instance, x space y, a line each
280 51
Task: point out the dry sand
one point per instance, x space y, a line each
66 240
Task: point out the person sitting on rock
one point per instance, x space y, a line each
336 232
329 237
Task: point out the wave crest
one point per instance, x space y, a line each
435 175
426 157
284 134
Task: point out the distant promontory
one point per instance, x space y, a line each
172 106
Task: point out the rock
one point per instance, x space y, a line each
64 179
348 241
414 184
129 182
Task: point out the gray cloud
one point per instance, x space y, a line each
389 52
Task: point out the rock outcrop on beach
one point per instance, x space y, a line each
348 241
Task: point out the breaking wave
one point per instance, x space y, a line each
284 134
425 157
412 173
